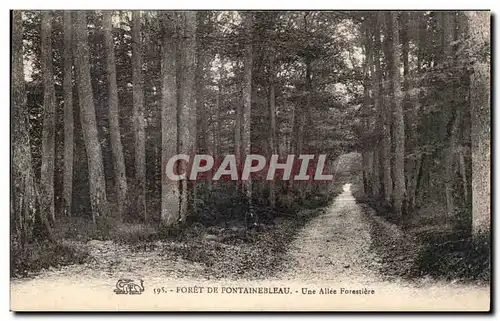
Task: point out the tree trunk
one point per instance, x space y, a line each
237 136
201 62
367 148
399 191
414 187
449 152
387 148
68 114
479 31
114 116
247 109
201 110
383 160
138 116
218 107
187 108
97 180
272 120
412 163
48 133
169 189
23 195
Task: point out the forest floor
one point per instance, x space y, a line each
334 250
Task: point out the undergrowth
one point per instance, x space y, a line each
223 246
428 246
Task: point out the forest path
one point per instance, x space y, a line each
335 245
331 252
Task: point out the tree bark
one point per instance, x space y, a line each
201 111
455 119
169 189
201 62
273 143
187 107
23 197
382 161
138 116
367 148
237 135
48 133
114 117
98 199
398 122
247 108
412 163
480 103
387 148
68 114
218 107
414 189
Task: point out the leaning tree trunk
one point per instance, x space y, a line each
114 117
169 189
399 191
138 117
480 101
68 115
23 197
187 108
48 132
247 109
97 180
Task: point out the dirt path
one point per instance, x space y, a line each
335 246
330 255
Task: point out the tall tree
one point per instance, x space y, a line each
201 61
480 103
187 107
379 165
247 104
273 141
68 114
139 121
386 113
412 163
448 26
98 199
398 122
219 101
48 133
23 197
237 133
367 149
114 116
169 189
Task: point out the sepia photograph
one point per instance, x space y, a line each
250 160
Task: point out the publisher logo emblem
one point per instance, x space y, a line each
129 286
